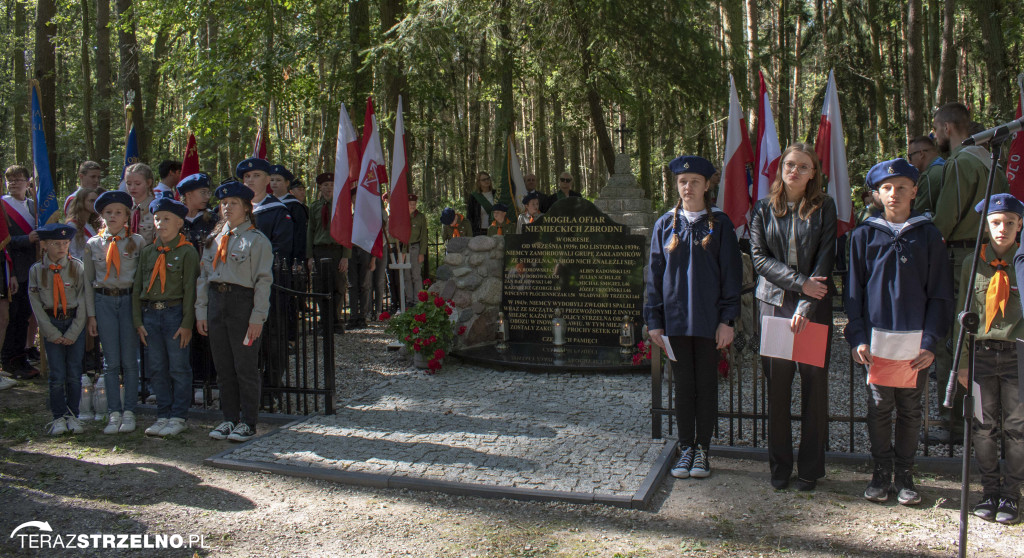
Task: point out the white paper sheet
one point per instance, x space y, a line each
668 348
978 413
776 337
895 345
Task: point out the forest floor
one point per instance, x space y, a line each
131 484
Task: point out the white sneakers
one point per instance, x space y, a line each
167 427
127 423
57 427
7 383
223 430
157 427
73 425
114 424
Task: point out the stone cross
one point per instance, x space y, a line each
622 131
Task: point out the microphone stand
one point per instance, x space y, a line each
969 322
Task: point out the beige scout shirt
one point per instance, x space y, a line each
95 261
249 263
40 295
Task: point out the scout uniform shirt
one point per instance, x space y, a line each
964 177
275 221
44 295
459 228
898 281
501 229
418 230
526 219
318 234
197 228
167 274
1005 324
691 290
140 220
110 266
928 187
247 260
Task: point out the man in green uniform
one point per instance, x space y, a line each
320 244
964 177
417 250
923 154
454 225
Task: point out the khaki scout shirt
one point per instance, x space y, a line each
1005 327
418 231
249 263
319 234
95 262
146 227
929 186
40 295
182 269
964 177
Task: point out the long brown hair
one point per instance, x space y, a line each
223 222
814 196
79 213
706 241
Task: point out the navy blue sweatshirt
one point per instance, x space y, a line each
275 222
898 282
691 290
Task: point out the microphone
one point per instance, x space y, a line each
998 133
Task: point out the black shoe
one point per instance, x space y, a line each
780 484
986 509
805 485
33 355
881 482
1008 512
904 485
24 371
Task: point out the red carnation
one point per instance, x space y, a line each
422 295
427 282
448 310
636 359
422 318
416 346
438 301
384 316
439 354
408 337
434 364
415 329
462 329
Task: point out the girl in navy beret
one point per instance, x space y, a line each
693 298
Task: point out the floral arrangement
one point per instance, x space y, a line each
643 352
426 328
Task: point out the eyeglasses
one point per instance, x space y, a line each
913 154
791 166
565 180
485 179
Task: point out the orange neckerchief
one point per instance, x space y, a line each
222 247
495 224
160 267
60 298
113 255
455 226
998 290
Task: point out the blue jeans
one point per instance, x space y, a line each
120 344
167 364
65 362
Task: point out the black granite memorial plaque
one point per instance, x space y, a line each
574 258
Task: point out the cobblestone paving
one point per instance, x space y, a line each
586 433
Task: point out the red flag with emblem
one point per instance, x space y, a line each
346 173
1015 162
368 217
735 189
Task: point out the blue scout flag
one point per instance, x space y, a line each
46 195
131 151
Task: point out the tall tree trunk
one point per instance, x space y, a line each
557 129
988 13
391 12
19 96
752 62
915 70
643 143
104 95
575 153
129 74
46 74
783 81
505 114
90 146
947 91
153 77
362 76
737 46
932 48
589 65
878 79
543 167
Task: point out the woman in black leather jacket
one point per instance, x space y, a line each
792 241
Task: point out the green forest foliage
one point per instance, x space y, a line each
559 73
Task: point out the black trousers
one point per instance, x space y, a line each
238 374
358 267
813 403
13 352
695 373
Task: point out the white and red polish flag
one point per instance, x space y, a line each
368 217
766 161
399 220
1015 162
831 149
735 197
346 172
